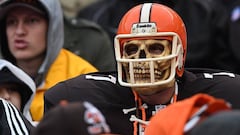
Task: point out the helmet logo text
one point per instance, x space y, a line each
144 28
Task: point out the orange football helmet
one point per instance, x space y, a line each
151 21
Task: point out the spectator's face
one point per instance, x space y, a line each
26 33
10 93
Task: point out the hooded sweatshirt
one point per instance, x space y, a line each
59 64
12 74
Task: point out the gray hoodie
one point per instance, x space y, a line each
55 37
12 74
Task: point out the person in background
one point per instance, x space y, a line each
17 90
32 38
150 50
78 118
89 41
16 87
86 38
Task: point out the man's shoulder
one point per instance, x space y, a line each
207 73
100 88
202 79
95 77
218 83
205 70
91 82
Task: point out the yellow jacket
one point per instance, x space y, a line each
66 66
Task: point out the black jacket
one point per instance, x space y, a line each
111 98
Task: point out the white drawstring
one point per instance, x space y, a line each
134 118
126 111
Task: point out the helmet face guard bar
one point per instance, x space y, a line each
176 58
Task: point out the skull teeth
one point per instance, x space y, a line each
144 75
142 71
147 72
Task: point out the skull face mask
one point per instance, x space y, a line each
142 49
147 49
148 64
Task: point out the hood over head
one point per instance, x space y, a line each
53 11
12 74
